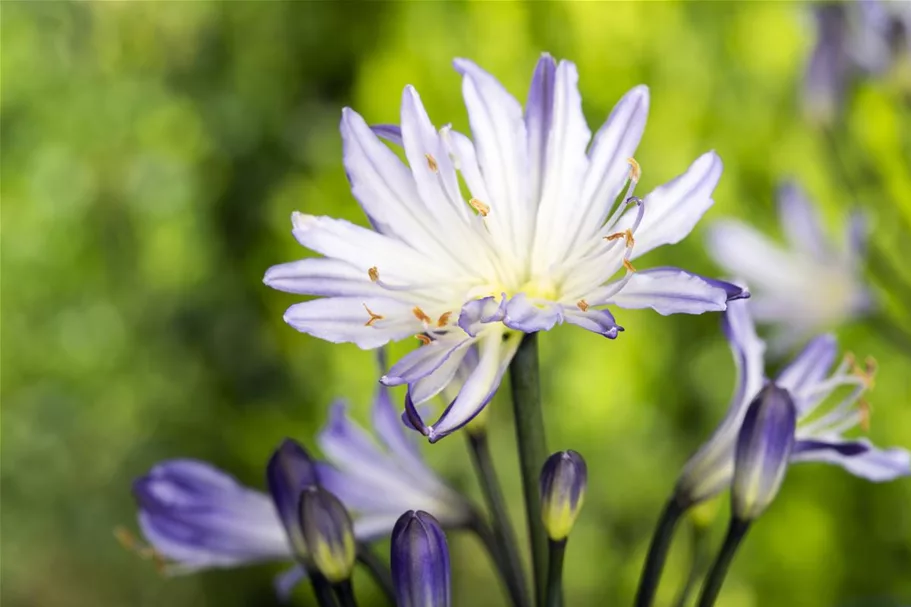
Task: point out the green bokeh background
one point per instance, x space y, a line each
151 156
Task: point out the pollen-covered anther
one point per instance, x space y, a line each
432 163
479 206
424 339
626 234
443 320
421 315
373 316
866 412
628 265
635 171
374 274
582 305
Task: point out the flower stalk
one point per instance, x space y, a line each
529 420
344 591
657 552
505 548
555 573
712 586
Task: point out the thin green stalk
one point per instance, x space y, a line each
506 547
529 420
555 573
712 586
698 558
322 589
379 571
657 553
345 593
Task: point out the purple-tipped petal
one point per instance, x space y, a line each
424 360
859 457
344 320
420 562
538 117
522 314
290 470
762 452
390 132
809 367
674 291
478 312
320 276
597 321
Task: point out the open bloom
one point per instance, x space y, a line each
196 516
534 242
822 421
855 39
809 286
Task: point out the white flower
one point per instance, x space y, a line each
534 243
810 286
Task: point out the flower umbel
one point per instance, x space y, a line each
809 286
539 241
821 425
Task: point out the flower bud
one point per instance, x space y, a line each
420 561
762 452
289 472
328 534
562 485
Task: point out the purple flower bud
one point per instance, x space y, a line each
563 481
762 452
289 472
420 561
328 534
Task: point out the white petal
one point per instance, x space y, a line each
538 120
343 320
320 276
670 291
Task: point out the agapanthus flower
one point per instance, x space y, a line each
854 39
196 516
535 239
809 285
823 420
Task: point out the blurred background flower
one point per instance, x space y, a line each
150 155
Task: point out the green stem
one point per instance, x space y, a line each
555 574
505 546
657 553
345 593
712 586
378 570
698 558
529 420
322 589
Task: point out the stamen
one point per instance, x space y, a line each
628 265
444 319
373 316
424 339
867 373
635 171
583 305
432 163
126 539
374 274
479 206
866 412
627 234
421 315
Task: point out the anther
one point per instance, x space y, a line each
432 163
479 206
444 319
583 305
635 171
627 235
374 274
421 315
424 339
373 316
628 265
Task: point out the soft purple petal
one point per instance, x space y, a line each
672 291
523 314
538 116
748 254
800 222
320 276
478 312
749 355
390 132
829 66
434 383
859 457
809 367
344 320
424 360
597 321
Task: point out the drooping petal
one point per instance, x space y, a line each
439 380
859 457
673 291
424 360
321 276
495 353
478 312
749 356
199 516
564 167
524 314
601 322
614 143
800 222
809 367
673 209
345 320
498 127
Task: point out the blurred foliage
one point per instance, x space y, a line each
151 156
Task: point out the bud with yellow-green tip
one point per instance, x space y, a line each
328 534
563 481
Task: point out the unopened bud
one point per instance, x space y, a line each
563 481
328 534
